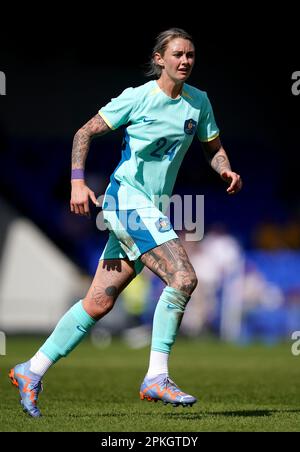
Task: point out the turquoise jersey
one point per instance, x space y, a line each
158 133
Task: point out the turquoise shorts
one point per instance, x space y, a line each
134 232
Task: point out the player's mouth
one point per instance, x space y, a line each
184 71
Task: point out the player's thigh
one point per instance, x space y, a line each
114 273
111 277
171 263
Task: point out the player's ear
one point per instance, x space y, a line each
158 59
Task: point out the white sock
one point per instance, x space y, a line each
40 363
158 364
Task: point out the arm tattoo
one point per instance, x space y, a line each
83 137
220 162
216 156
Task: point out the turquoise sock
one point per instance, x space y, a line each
167 318
69 331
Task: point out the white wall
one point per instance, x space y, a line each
37 282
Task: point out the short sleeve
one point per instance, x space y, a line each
117 112
207 128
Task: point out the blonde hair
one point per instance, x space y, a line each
161 43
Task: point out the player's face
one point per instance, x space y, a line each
178 59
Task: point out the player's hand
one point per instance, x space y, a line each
80 196
234 180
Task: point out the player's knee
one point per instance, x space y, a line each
105 304
101 303
187 283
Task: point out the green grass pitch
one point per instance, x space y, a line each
253 388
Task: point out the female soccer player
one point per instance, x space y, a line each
162 117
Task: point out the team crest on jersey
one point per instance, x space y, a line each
190 126
163 224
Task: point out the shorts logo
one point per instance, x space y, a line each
190 126
163 224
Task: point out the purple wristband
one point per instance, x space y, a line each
77 173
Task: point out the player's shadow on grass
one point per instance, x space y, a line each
238 413
250 413
243 413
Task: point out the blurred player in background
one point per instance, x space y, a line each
162 117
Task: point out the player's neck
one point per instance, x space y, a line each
169 87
